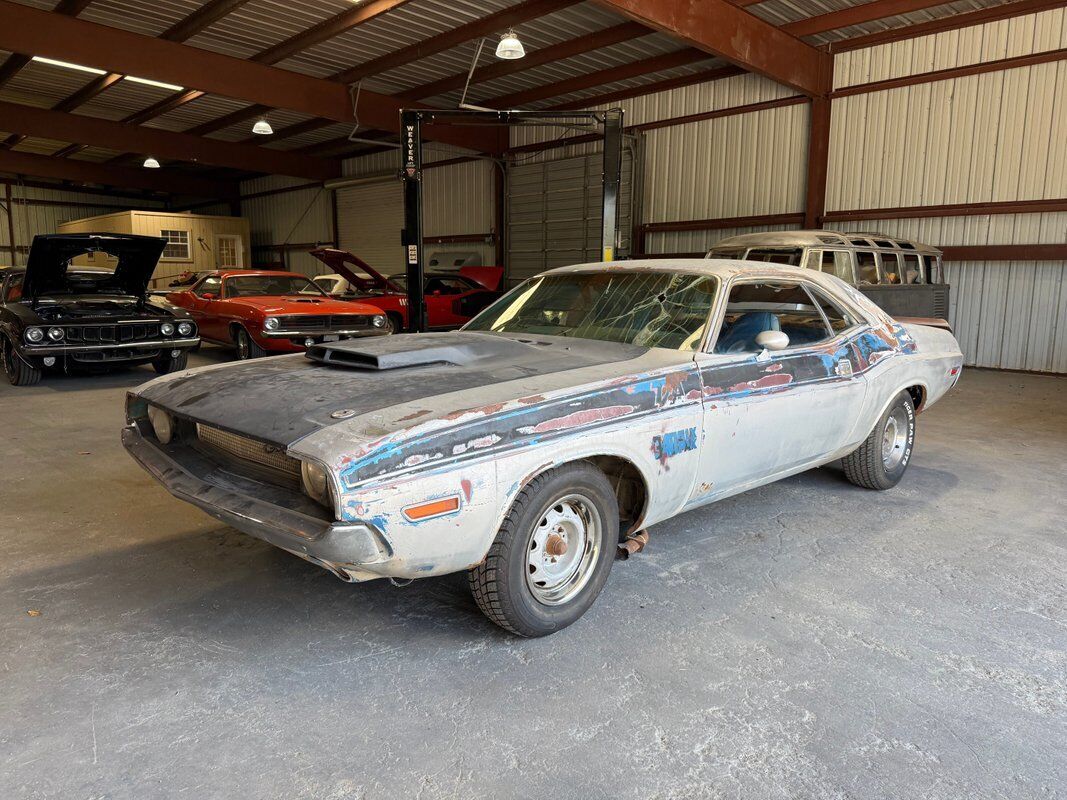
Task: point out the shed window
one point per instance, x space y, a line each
177 245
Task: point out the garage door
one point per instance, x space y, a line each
554 213
369 220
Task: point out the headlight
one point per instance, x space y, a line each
379 322
316 482
185 328
271 323
162 424
34 335
56 334
166 329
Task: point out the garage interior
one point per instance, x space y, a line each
804 639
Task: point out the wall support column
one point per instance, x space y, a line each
818 160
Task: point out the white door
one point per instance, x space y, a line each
229 251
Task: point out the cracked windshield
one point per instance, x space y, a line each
651 309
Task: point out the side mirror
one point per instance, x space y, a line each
772 340
213 296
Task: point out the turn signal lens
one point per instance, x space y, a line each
434 508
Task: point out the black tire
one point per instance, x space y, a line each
503 585
165 364
246 345
880 462
19 373
396 321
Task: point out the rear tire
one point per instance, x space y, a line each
552 555
19 373
165 364
880 462
246 345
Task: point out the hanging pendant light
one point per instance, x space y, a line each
510 47
262 128
151 163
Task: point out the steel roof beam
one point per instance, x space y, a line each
722 29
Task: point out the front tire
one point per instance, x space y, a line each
19 372
552 555
880 462
165 365
246 346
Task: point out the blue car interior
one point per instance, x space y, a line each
740 335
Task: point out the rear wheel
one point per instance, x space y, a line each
552 555
19 372
246 346
880 462
165 364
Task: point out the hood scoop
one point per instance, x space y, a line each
418 350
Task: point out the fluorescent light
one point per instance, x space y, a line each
66 64
151 163
158 84
510 47
263 128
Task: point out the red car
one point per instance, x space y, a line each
260 311
451 298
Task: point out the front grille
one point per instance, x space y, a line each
323 322
246 449
112 334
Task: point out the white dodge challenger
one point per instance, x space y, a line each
582 407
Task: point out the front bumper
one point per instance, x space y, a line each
33 350
346 549
358 332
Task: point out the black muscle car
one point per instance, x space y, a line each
54 313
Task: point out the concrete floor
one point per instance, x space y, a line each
808 639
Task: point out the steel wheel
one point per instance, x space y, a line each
243 348
562 549
894 438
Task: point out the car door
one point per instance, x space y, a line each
201 301
768 413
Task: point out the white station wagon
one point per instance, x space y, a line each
582 407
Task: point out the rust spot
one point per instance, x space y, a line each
555 546
583 417
537 398
414 415
773 368
766 382
465 484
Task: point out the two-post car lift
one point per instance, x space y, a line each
609 122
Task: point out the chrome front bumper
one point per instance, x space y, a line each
288 334
346 549
30 350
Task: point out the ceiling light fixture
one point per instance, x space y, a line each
67 65
510 47
158 84
262 127
151 163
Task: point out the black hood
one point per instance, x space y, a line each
50 254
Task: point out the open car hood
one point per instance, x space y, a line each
50 255
338 261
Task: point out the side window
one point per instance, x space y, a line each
776 255
913 268
13 291
934 273
891 267
753 308
838 263
210 285
866 268
839 318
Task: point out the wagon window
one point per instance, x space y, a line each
753 308
727 252
913 270
866 268
838 263
934 273
891 267
776 255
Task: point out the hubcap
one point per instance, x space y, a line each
562 549
894 439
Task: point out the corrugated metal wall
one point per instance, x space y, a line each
302 217
30 219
